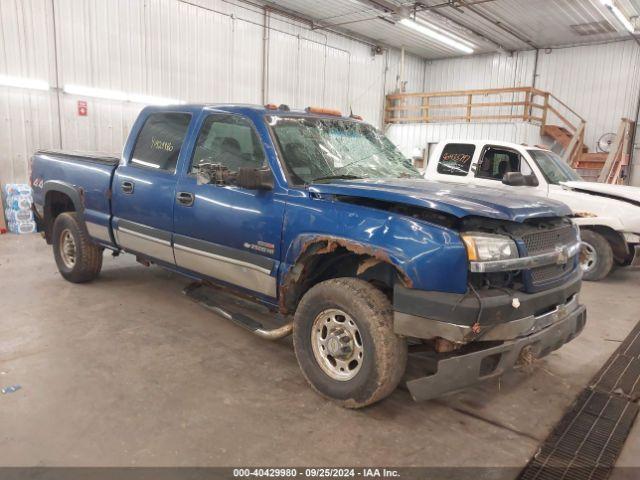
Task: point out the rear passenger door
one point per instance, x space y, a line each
144 187
225 232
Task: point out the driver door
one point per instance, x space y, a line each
495 162
225 232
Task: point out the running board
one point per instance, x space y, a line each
240 311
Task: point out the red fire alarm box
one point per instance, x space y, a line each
82 108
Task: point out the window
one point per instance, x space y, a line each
497 162
456 159
160 140
554 169
229 140
525 169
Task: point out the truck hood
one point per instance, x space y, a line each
457 200
617 192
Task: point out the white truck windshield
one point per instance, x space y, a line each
318 149
553 168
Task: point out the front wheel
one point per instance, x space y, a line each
79 260
344 342
596 256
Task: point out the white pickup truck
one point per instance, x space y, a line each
608 215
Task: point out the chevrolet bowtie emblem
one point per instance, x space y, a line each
563 255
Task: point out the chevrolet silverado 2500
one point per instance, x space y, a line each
608 215
313 224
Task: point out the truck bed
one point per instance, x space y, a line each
93 157
85 178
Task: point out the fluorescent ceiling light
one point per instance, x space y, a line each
619 15
444 32
118 95
440 37
153 100
20 82
95 92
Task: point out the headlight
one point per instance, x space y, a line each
485 247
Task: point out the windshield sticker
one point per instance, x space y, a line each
459 158
163 145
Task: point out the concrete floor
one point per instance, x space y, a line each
127 371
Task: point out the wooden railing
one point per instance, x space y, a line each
573 152
516 104
527 104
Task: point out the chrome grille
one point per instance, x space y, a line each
547 240
544 241
549 272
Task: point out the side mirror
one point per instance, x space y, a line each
531 180
255 178
212 173
514 179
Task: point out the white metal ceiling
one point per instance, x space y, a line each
491 24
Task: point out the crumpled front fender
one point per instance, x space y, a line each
426 256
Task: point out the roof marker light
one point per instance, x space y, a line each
324 111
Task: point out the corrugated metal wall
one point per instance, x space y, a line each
197 51
414 72
29 117
481 71
600 82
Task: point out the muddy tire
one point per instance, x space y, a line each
596 256
79 260
344 342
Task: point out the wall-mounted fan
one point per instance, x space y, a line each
605 142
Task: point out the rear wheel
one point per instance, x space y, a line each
596 256
78 259
344 342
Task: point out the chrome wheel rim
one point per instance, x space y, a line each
588 257
67 249
337 344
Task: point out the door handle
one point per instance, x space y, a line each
127 186
185 198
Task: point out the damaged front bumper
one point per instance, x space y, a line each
504 315
510 326
456 371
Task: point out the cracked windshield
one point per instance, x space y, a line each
317 150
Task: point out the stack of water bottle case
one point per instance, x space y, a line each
17 201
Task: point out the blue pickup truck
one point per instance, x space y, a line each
312 224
